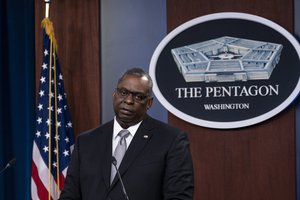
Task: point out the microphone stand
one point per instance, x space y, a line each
114 162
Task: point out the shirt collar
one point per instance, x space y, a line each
118 128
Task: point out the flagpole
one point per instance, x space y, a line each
47 4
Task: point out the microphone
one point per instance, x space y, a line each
114 162
8 165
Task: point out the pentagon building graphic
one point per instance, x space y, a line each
227 59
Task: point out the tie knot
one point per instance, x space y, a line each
123 133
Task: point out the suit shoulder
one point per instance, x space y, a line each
164 127
94 132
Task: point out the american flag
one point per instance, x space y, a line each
53 138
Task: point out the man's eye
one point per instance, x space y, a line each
140 97
124 92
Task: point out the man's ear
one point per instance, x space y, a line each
150 102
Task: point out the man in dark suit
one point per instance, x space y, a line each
157 164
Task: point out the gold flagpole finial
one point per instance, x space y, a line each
47 4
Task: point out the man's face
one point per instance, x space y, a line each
131 100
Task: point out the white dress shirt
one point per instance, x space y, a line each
117 129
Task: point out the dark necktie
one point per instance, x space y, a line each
119 151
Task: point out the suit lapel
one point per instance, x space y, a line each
107 137
139 141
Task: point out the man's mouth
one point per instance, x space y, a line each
126 111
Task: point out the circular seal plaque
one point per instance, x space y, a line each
226 70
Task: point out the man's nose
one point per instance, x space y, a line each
129 98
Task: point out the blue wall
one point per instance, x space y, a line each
131 30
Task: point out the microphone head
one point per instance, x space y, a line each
11 162
113 161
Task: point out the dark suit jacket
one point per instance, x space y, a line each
157 165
